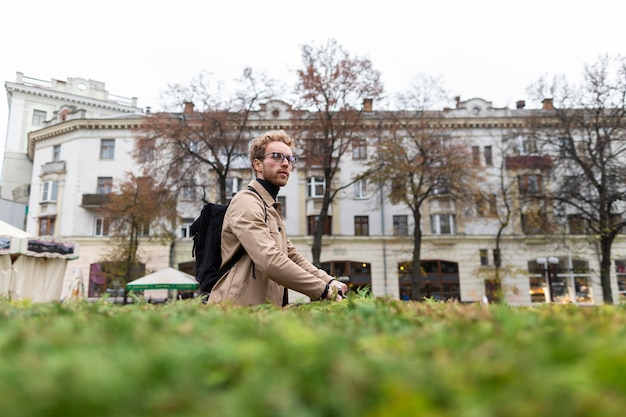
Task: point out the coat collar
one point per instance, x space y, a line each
265 195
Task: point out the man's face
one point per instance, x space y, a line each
274 170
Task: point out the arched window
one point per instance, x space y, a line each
439 280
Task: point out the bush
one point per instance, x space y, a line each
363 357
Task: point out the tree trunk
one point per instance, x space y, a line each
318 233
605 268
416 265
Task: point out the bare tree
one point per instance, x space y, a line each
206 139
332 87
507 194
421 160
585 128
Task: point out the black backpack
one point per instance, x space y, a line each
206 231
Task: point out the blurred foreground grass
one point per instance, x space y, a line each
363 357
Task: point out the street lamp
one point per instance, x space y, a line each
545 263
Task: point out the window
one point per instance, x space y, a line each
361 226
39 117
484 257
566 280
49 191
146 154
312 224
316 186
360 189
358 273
476 155
481 204
442 224
315 146
184 228
485 205
620 270
188 193
401 225
576 224
526 146
232 186
107 148
105 185
359 149
534 223
46 226
144 230
283 205
440 281
529 184
492 205
56 153
488 156
565 145
493 290
101 227
497 258
441 185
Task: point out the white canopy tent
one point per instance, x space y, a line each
32 267
168 278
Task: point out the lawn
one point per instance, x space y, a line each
362 357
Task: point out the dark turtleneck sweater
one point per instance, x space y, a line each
271 188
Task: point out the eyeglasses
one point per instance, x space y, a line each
279 158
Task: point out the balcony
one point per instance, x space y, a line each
94 200
528 162
57 167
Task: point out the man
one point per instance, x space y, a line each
253 219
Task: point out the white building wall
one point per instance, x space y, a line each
28 94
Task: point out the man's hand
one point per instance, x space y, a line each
337 290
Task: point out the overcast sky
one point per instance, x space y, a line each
491 49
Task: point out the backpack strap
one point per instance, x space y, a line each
241 251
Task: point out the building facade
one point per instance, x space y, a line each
369 242
34 104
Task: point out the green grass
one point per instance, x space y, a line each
363 357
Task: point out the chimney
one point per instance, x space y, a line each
368 104
547 104
520 104
188 107
148 109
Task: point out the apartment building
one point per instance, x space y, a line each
33 104
76 162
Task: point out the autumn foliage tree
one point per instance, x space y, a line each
138 208
331 88
584 127
197 146
419 160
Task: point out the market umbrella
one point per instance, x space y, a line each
168 278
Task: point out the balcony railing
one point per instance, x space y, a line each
56 167
528 162
94 200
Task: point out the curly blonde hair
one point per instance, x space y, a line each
257 147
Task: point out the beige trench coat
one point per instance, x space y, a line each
271 262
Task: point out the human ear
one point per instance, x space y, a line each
257 165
